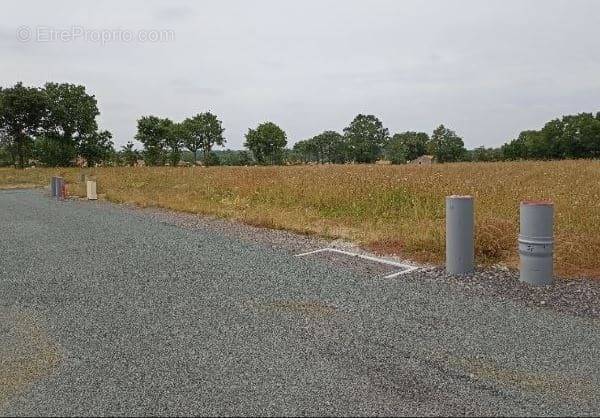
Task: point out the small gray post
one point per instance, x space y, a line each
60 188
536 242
460 233
53 187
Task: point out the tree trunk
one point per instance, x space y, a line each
205 152
20 152
13 157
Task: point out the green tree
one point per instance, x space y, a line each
515 149
7 157
71 117
366 137
210 159
446 146
96 148
202 132
572 136
332 147
51 151
303 152
22 111
412 144
129 154
267 143
396 151
153 133
174 142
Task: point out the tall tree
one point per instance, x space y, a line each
153 133
174 142
395 151
332 147
267 143
366 136
22 111
517 148
304 151
71 117
446 146
202 132
6 147
412 144
96 148
129 154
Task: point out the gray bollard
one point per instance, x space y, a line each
460 234
53 186
536 242
60 188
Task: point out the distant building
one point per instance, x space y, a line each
423 160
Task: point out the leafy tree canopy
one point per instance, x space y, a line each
129 155
446 146
22 112
267 143
154 132
366 136
202 132
406 146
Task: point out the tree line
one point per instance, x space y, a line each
570 137
365 140
55 125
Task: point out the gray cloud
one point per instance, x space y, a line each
486 69
175 13
189 87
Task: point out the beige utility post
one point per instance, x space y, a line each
91 190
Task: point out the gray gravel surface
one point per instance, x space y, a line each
108 310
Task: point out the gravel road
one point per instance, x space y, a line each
109 310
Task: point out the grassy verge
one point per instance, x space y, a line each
389 209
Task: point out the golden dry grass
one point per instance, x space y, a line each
389 209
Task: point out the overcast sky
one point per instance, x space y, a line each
487 69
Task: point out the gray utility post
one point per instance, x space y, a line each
53 186
460 234
59 185
536 242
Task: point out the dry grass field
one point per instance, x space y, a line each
389 209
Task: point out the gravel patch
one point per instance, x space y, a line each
579 297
